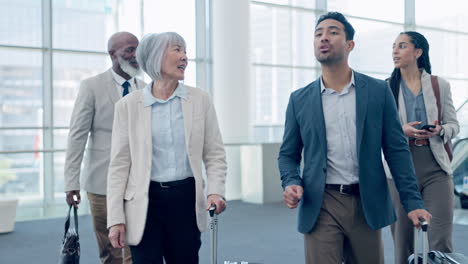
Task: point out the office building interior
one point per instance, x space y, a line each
249 55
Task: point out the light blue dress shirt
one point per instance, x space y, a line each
415 107
339 112
170 161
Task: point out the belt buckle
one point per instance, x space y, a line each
164 186
342 188
416 143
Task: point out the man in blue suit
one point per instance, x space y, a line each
342 122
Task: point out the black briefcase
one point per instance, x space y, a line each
70 251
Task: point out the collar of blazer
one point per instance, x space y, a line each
316 109
428 96
110 85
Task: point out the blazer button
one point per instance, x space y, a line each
324 169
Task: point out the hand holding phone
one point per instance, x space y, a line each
426 127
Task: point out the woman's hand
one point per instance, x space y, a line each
412 132
214 199
117 235
434 131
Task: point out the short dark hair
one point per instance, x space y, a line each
348 28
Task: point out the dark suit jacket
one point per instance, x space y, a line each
377 128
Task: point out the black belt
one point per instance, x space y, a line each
352 189
172 184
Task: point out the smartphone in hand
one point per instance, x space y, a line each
426 127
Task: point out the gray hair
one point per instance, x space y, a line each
151 50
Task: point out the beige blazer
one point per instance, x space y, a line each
91 118
449 118
131 155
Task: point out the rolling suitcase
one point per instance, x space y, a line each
434 256
214 235
214 240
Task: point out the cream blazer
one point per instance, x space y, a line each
131 154
449 119
92 118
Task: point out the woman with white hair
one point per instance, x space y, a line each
161 135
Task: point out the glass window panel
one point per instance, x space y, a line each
298 3
261 33
20 139
267 133
59 163
60 138
129 16
462 116
21 174
191 74
302 78
384 10
69 70
303 38
20 22
175 15
263 83
271 35
272 88
377 75
373 49
82 25
459 89
451 14
448 53
303 3
21 84
278 2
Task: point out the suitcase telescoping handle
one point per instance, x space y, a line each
214 234
425 247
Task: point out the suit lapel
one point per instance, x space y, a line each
429 98
146 133
318 121
187 111
402 107
110 86
362 97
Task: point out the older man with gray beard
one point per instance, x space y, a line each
92 118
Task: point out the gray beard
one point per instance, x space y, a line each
128 68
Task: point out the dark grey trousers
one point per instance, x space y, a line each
436 188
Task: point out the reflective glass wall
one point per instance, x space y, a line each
47 47
282 47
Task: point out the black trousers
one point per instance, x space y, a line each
171 230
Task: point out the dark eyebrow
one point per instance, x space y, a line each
399 43
330 27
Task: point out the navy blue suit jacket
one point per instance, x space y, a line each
377 128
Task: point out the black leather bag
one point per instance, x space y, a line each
70 251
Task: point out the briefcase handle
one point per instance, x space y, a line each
67 222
